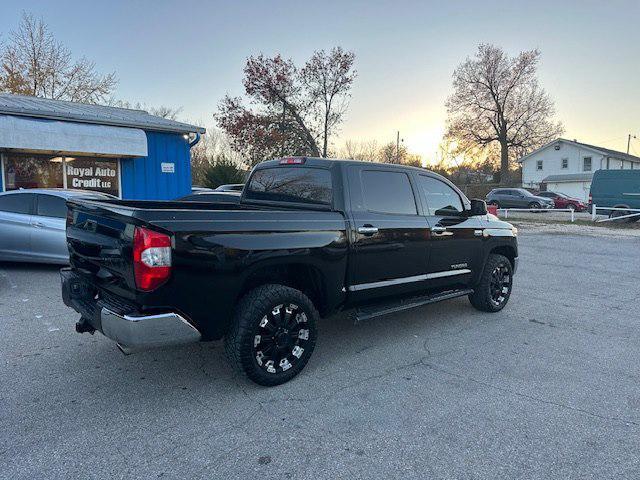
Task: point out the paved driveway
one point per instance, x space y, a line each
548 388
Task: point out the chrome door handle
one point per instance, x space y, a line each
440 231
367 230
38 225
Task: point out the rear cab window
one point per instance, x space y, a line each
301 185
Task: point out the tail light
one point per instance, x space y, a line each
292 161
151 258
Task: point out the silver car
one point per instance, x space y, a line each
33 221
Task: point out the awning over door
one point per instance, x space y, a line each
54 136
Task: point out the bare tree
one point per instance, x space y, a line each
170 113
497 99
34 63
327 78
214 147
363 151
391 153
294 109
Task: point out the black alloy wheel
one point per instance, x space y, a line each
493 290
273 334
280 338
500 284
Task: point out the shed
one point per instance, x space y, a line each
128 153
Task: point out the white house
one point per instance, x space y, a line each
567 166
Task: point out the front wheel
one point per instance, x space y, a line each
273 334
493 290
533 205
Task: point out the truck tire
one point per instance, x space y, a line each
273 334
492 292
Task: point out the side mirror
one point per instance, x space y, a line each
478 207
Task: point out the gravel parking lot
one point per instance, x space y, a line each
548 388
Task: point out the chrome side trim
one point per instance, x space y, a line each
400 281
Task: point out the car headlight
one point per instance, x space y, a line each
514 230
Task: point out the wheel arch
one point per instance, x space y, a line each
306 277
506 251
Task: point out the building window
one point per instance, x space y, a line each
565 163
32 171
586 164
46 171
539 165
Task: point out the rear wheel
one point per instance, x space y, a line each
273 334
614 214
573 207
493 290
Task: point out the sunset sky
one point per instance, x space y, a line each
167 53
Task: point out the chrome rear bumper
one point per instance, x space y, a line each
133 333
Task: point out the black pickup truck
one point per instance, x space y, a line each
308 238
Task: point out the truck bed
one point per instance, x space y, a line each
214 249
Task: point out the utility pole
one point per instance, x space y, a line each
284 111
629 142
398 147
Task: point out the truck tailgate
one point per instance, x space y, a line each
100 242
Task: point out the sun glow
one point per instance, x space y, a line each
425 142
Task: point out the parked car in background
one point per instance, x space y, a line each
33 222
517 198
561 200
232 187
196 189
616 189
212 197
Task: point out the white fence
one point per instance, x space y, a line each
594 213
506 211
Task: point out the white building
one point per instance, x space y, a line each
567 166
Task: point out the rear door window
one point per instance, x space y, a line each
51 206
291 184
388 192
17 203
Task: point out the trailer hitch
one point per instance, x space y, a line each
83 326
